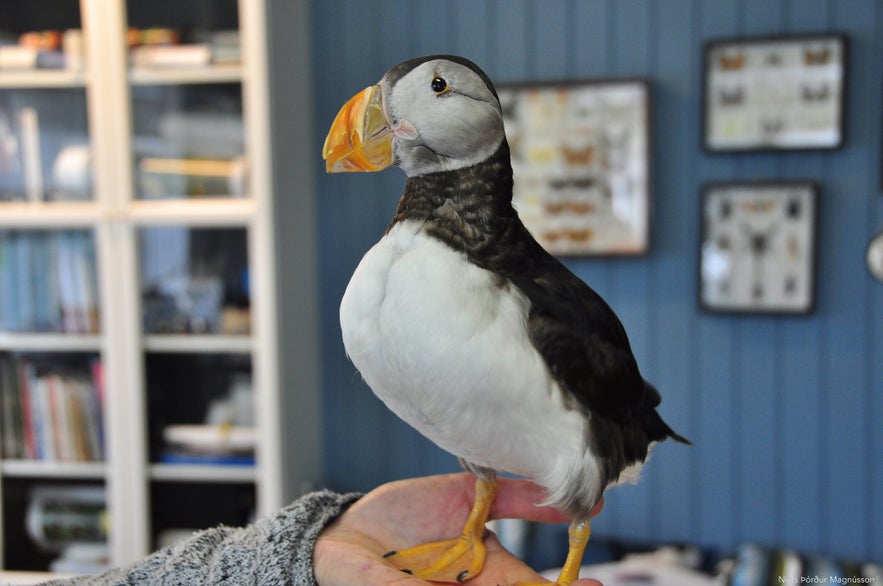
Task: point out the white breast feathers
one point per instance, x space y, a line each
444 344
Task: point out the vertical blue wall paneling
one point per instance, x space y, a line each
873 397
846 326
784 411
757 392
801 425
717 373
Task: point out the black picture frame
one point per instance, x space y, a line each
774 93
581 159
758 247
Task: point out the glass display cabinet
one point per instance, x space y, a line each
140 393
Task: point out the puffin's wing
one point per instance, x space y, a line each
583 343
587 350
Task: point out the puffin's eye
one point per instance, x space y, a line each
439 85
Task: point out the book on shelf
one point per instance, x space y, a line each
226 46
187 459
190 55
31 153
50 416
18 57
161 177
50 49
162 48
49 282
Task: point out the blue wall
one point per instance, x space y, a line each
786 413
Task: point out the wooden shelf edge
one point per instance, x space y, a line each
232 73
198 344
35 342
202 473
42 78
53 470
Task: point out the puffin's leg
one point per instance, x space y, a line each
578 533
458 559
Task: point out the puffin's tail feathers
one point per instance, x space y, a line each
678 437
662 429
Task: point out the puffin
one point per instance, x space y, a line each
468 329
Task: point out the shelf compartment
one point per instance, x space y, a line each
49 282
53 413
27 524
45 153
189 140
195 280
194 390
178 508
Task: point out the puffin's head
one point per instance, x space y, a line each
429 114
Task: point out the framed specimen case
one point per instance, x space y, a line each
580 153
779 93
758 247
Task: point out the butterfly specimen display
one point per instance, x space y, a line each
776 93
757 252
580 156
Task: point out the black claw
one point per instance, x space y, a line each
461 577
407 572
390 554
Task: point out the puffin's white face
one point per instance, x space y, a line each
443 117
438 116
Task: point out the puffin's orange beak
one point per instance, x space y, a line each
360 138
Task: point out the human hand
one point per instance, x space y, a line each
409 512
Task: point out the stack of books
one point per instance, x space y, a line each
49 282
159 48
50 416
49 49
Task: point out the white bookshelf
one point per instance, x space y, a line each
283 304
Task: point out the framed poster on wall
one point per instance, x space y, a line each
779 93
580 154
757 247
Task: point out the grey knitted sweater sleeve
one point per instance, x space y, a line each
274 551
